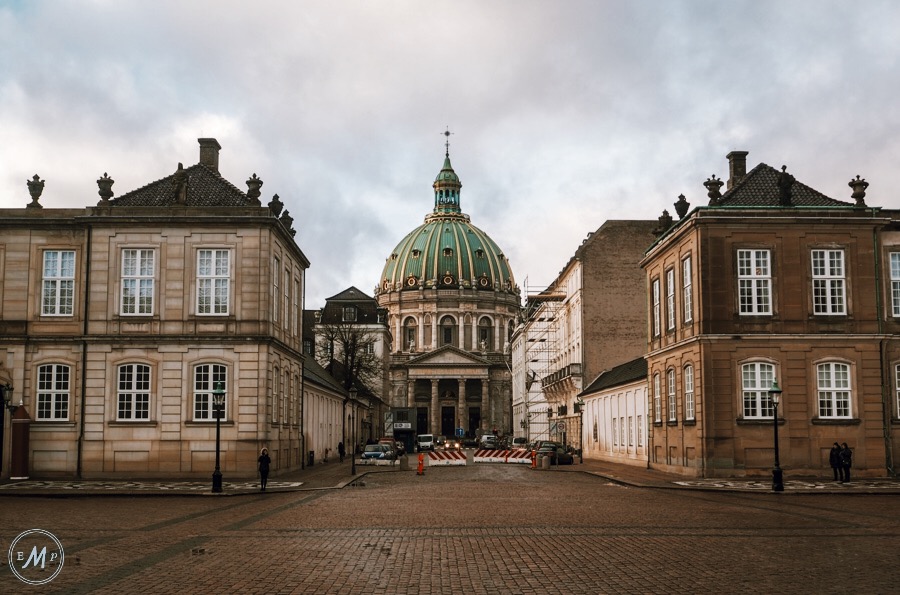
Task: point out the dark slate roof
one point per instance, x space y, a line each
631 371
315 373
759 188
205 188
366 307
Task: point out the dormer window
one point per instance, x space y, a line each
349 314
479 253
448 252
415 253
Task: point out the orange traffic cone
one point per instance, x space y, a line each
421 469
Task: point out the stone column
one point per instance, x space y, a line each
486 403
435 408
435 341
461 412
461 332
475 345
420 325
410 392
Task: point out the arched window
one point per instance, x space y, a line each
670 385
409 334
833 383
448 331
133 394
53 392
485 335
657 404
206 377
688 379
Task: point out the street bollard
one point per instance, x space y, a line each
421 469
533 460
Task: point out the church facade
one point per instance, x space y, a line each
451 302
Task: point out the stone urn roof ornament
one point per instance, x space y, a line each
253 186
713 184
35 188
682 206
859 186
105 184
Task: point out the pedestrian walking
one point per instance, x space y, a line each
834 459
846 460
341 451
264 462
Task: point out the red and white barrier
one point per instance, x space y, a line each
442 458
502 456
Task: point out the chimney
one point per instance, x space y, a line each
209 152
737 167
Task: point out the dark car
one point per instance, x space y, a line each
557 454
377 451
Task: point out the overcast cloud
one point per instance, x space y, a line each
564 114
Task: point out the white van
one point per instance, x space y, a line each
424 442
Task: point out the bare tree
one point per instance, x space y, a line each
352 349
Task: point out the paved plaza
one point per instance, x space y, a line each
467 530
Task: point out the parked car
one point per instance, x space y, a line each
424 442
391 445
558 455
490 441
469 442
519 443
377 451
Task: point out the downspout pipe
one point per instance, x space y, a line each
84 350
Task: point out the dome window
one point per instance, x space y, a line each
448 252
484 281
416 253
479 253
411 281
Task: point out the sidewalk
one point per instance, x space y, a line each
336 475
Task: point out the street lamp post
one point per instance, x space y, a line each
777 475
579 409
352 433
218 395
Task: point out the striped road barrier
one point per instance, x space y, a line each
502 456
442 458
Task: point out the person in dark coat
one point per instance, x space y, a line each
846 460
341 451
264 462
834 458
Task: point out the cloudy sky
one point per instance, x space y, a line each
564 114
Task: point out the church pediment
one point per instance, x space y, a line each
447 356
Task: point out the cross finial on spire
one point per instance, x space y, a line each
447 133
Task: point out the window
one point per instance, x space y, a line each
615 434
622 431
53 392
670 299
640 431
754 282
689 392
897 391
296 312
134 392
670 384
828 282
138 272
756 380
287 300
58 291
276 394
448 331
657 406
276 294
655 293
206 377
213 278
409 334
349 314
687 289
485 334
630 431
833 380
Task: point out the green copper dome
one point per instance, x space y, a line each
447 251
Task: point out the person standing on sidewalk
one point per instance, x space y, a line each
846 460
264 462
341 451
834 459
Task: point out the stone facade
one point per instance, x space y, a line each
120 321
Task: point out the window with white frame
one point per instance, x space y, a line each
640 431
276 394
58 287
133 400
615 434
670 385
670 299
287 300
689 412
656 306
276 293
754 281
828 282
206 378
756 381
657 405
630 431
833 380
213 281
895 283
53 392
138 275
296 312
897 391
687 290
349 314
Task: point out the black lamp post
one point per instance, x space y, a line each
218 395
352 433
579 409
777 475
6 391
